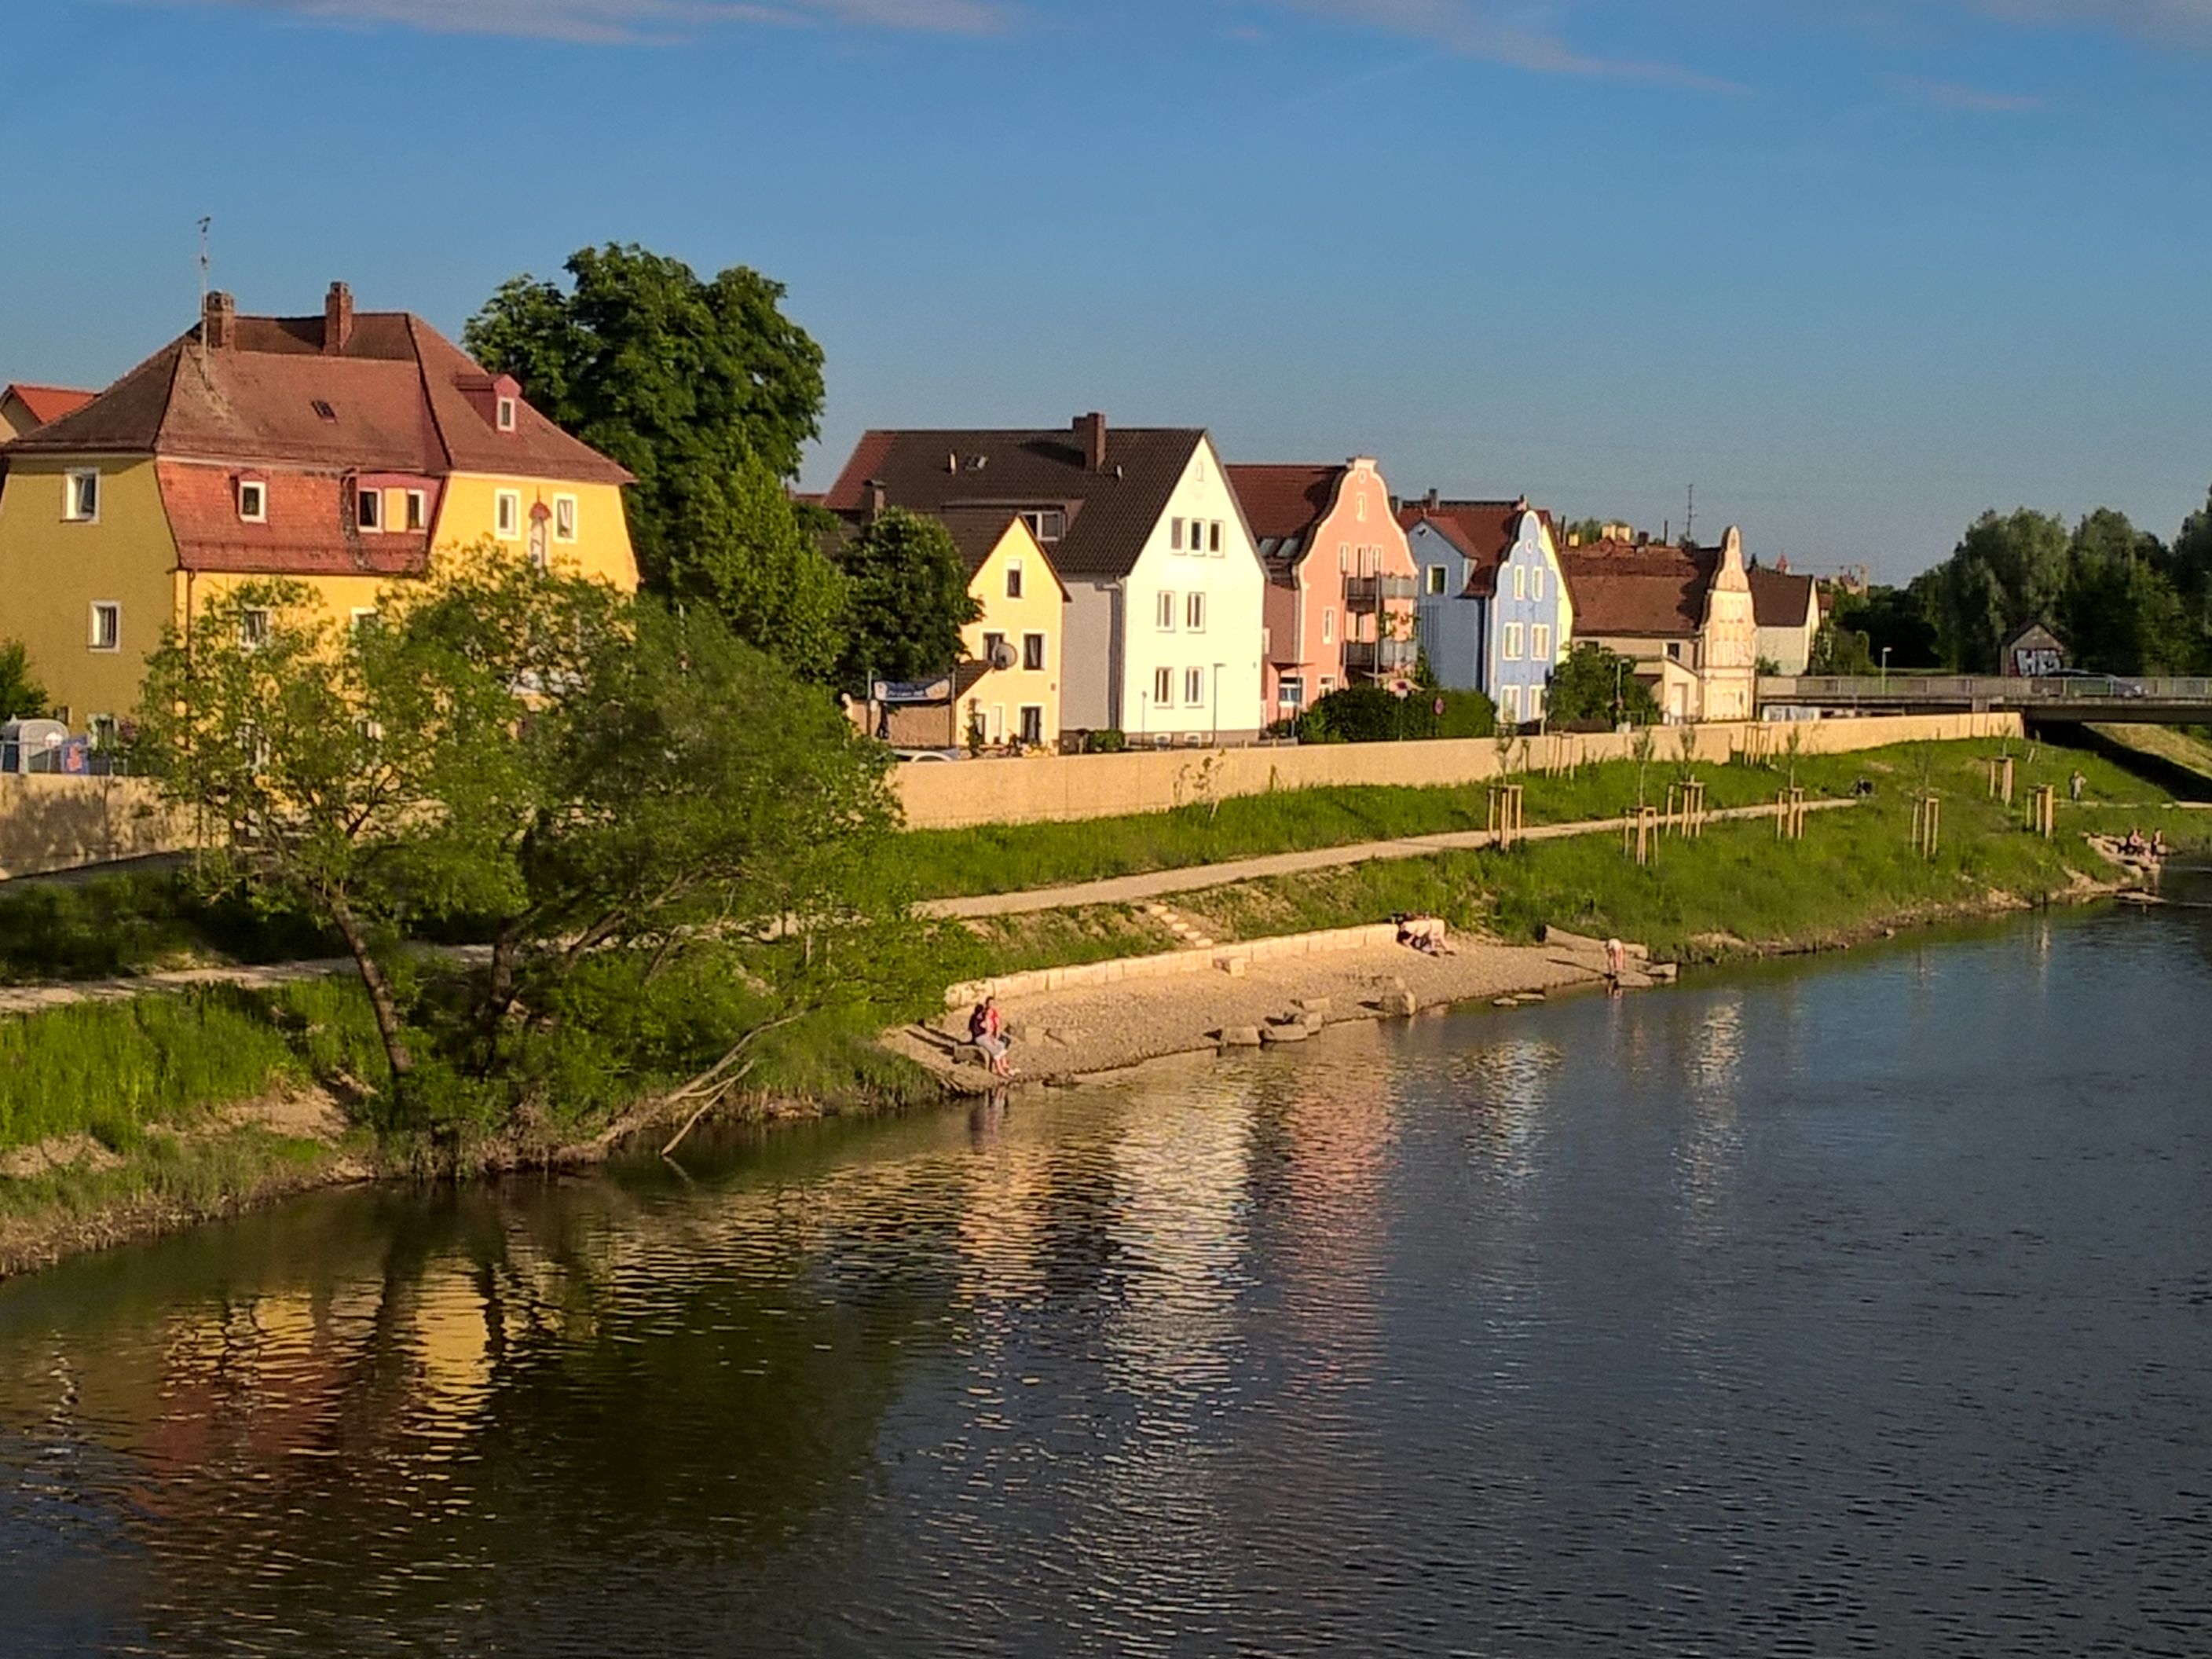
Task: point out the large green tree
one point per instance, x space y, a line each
2006 572
747 554
2188 566
1594 685
2120 614
907 599
680 380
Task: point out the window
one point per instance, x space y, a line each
322 410
1013 579
254 628
418 510
1359 508
507 414
1032 724
1673 651
368 509
564 518
1193 687
1509 704
1214 545
993 645
1535 703
81 497
1163 687
1175 534
1536 583
1329 627
1512 652
1539 643
1434 576
1344 558
103 730
1291 693
106 625
253 501
362 615
1167 611
1033 653
506 514
1193 613
1520 582
1047 524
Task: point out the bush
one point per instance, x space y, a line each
1467 714
1108 742
1368 713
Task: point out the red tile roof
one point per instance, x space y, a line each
1283 502
309 531
1111 510
399 396
47 404
1780 599
1483 530
1628 590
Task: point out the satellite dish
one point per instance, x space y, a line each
1003 656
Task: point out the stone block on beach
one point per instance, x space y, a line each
1280 1034
1313 1004
1239 1036
1235 966
1400 1004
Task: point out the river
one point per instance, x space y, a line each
1860 1305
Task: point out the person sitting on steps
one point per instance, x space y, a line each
987 1030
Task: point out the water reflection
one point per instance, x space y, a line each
1863 1304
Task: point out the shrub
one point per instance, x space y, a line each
1108 742
1370 714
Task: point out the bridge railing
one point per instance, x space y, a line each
1991 690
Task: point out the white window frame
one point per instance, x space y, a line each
370 523
503 416
1013 579
1329 625
993 639
506 514
1038 640
1022 716
1536 584
1163 687
1214 544
1539 643
254 628
259 512
1535 703
1163 614
1508 704
1193 613
72 481
1510 650
1520 582
115 608
1175 535
1193 688
1359 508
1433 575
360 614
564 504
418 510
1344 558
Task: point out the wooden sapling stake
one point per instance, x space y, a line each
1927 825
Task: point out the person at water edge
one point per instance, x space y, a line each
987 1030
1425 934
1616 960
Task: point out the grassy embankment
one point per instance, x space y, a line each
152 1082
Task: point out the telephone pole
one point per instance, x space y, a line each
1690 520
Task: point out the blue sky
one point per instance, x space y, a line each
1858 269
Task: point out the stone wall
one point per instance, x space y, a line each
1067 787
49 821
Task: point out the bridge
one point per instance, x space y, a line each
2063 699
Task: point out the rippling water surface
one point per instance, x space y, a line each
1862 1306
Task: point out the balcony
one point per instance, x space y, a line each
1380 656
1362 593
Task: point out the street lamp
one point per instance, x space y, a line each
1884 668
1217 705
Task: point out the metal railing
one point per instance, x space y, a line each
1380 656
1992 689
1370 593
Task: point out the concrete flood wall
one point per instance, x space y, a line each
1070 788
1168 964
49 821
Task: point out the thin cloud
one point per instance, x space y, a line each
626 20
1970 100
1479 28
2167 23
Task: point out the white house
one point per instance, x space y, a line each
1165 628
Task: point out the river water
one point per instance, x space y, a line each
1857 1306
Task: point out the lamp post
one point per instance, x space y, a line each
1884 669
1217 705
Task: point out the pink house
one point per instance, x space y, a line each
1340 601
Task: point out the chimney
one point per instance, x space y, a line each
1090 436
219 322
1432 498
873 499
338 320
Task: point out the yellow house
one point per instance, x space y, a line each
1016 643
336 450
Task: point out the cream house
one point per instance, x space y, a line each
1163 625
1016 643
1685 616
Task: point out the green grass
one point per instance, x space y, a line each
109 1070
1004 858
104 927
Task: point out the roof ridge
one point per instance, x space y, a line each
429 402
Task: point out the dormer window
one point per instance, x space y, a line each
324 412
506 417
253 501
368 509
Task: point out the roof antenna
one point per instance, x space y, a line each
1690 520
206 219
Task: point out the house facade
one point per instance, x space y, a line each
1018 641
1685 616
335 451
1340 597
1162 629
1495 613
1786 607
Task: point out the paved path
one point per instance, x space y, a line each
1155 884
30 998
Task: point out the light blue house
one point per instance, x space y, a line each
1493 614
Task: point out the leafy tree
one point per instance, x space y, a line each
22 697
1896 620
2188 566
747 553
1596 685
906 600
679 379
1838 649
1374 714
2120 614
2006 572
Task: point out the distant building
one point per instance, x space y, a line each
1340 600
1786 607
1166 592
335 450
2032 653
1684 616
1019 639
1496 614
25 408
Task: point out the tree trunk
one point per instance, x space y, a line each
380 989
499 995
